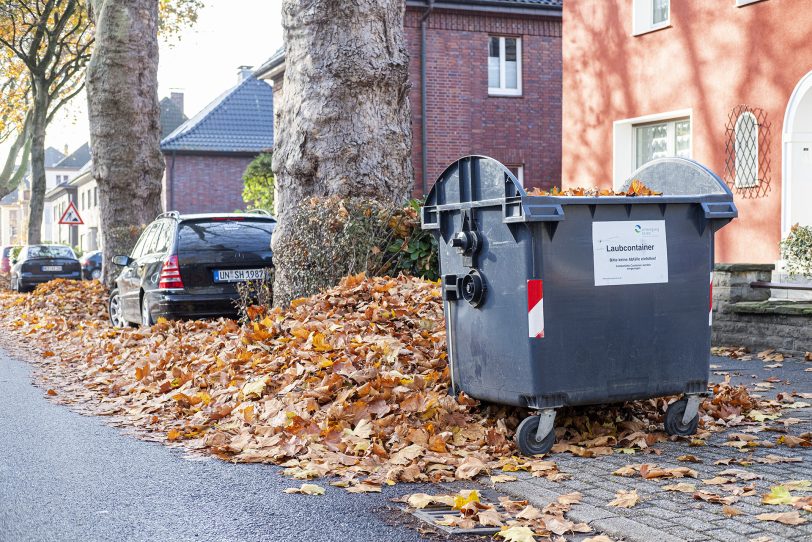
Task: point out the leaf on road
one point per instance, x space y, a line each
306 489
490 518
502 478
51 392
517 534
570 498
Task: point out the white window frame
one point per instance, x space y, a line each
742 3
501 90
643 17
519 172
624 146
670 138
739 182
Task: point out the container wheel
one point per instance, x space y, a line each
526 437
673 419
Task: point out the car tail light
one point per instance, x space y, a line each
170 274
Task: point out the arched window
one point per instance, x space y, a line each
745 141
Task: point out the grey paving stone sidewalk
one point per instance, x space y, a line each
667 516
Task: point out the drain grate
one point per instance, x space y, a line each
432 514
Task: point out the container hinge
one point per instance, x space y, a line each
468 242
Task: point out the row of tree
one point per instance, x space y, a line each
344 124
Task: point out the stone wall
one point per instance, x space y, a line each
745 316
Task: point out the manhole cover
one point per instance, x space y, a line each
433 514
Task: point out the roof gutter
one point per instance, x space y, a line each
496 6
424 158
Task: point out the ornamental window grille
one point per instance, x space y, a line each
747 151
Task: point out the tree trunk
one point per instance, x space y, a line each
39 123
343 128
124 114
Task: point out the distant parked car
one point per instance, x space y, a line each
40 263
188 266
91 265
5 259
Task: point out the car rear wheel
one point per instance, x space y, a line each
95 274
116 310
146 317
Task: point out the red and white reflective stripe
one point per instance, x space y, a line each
535 308
710 311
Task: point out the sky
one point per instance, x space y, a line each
202 64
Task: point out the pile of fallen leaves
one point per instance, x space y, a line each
352 382
636 188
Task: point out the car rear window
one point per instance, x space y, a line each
50 251
225 235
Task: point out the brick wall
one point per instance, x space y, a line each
462 118
205 183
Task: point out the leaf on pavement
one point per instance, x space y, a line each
490 518
625 499
730 512
469 468
502 478
570 498
787 518
682 487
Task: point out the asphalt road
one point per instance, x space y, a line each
66 477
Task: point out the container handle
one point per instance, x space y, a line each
724 209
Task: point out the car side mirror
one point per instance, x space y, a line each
122 261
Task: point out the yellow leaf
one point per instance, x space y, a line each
517 534
465 496
173 434
253 390
777 495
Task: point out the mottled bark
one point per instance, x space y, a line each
343 128
124 114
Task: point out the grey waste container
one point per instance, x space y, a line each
554 301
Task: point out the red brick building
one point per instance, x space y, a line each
725 82
207 155
490 78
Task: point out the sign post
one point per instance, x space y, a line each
71 216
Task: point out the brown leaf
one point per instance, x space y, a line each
625 499
730 512
787 518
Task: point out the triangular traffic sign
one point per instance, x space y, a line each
71 216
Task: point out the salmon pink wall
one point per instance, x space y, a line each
713 57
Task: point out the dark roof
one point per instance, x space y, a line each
52 156
171 117
239 120
76 159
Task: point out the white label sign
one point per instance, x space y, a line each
630 252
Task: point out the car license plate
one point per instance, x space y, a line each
47 268
238 275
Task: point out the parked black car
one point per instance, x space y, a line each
188 266
40 263
91 265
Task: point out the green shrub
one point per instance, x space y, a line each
796 249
